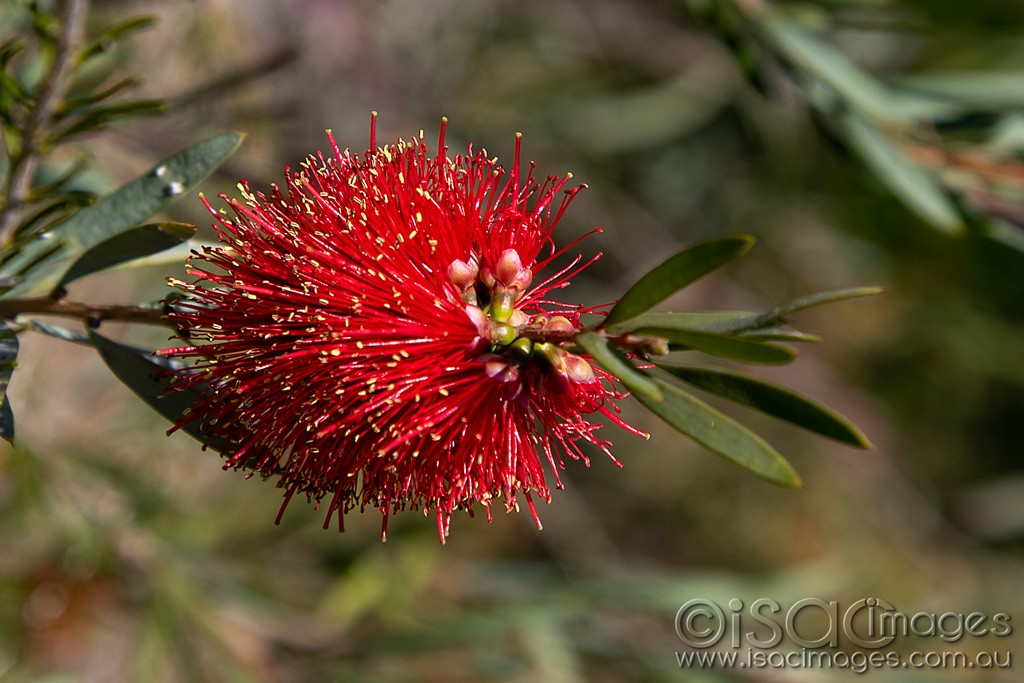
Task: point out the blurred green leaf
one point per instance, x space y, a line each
772 399
128 246
721 434
982 90
149 376
87 120
613 362
807 52
106 38
114 214
915 185
8 358
677 272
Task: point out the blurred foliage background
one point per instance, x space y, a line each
862 141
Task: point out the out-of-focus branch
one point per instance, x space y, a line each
25 163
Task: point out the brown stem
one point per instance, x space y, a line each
633 343
26 163
88 313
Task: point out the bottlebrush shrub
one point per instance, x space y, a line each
381 331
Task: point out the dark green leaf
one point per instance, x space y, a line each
129 245
772 399
721 434
149 377
613 362
723 345
677 272
116 213
8 359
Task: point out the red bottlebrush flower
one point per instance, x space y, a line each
370 332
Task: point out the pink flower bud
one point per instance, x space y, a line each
579 370
462 274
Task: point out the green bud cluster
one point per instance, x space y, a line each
491 295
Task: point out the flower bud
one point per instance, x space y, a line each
502 334
518 319
553 355
502 306
462 274
579 370
521 348
508 268
500 369
559 323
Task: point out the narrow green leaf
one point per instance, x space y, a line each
735 322
772 399
981 90
149 377
8 359
723 345
102 42
613 362
917 187
114 214
827 297
721 434
813 55
128 246
677 272
703 321
782 333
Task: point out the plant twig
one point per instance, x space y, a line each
24 166
90 314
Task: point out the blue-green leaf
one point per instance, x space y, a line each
8 359
149 376
118 212
55 331
613 362
772 399
721 434
128 246
677 272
